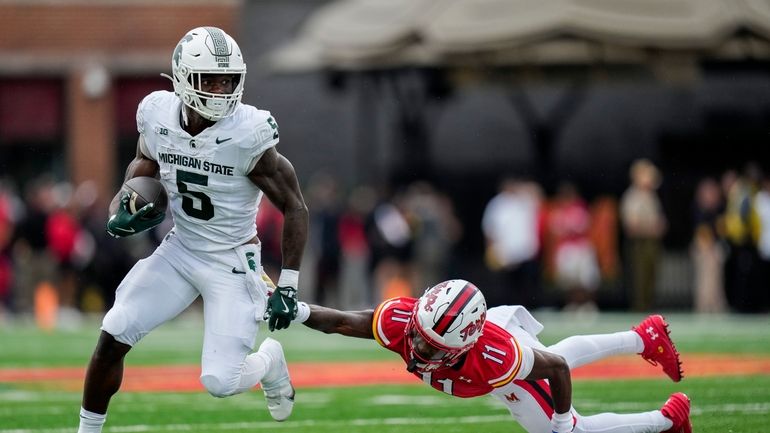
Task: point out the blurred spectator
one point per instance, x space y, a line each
762 206
604 235
34 265
6 279
644 224
743 281
323 249
354 247
511 224
62 230
707 251
7 222
390 236
436 230
574 263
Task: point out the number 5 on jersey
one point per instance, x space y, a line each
194 203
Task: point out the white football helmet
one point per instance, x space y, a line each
207 50
446 322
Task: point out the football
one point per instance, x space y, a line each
145 190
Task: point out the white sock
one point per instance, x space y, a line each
645 422
254 368
584 349
91 422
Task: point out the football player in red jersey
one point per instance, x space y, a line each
451 341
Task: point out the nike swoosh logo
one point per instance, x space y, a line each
129 230
236 271
223 140
285 307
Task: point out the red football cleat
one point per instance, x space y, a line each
677 409
658 347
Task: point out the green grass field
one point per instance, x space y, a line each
720 404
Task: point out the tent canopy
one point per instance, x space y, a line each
370 34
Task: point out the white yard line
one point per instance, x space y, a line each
747 408
251 426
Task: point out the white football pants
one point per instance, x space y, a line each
160 287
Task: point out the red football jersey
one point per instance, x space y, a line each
494 361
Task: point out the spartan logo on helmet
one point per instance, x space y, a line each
178 50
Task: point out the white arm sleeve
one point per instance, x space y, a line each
527 361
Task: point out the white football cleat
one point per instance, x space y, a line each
276 383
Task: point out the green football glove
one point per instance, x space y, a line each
123 223
281 307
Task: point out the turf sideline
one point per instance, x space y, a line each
322 374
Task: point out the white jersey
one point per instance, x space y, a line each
212 200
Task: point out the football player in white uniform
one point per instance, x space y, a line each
215 157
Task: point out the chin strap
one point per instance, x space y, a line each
411 366
185 120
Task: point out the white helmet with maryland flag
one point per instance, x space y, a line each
446 322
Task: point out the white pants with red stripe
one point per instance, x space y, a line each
530 402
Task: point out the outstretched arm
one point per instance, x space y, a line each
554 368
348 323
275 176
